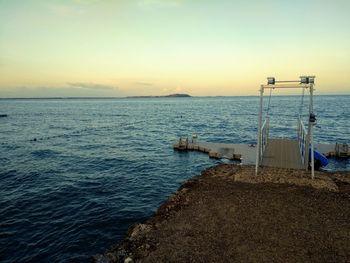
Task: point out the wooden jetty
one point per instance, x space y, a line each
283 153
240 152
279 152
275 152
286 152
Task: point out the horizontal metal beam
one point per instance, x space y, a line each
287 86
284 81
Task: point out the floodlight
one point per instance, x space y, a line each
304 80
270 81
311 79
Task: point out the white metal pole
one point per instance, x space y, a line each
257 161
308 135
311 133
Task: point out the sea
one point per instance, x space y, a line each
75 174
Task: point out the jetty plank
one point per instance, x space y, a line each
282 153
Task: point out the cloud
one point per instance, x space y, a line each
94 86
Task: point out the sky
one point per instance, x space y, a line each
108 48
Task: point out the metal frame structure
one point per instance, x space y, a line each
305 140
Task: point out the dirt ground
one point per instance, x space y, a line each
227 214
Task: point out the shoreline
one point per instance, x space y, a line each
228 213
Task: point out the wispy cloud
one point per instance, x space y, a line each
91 86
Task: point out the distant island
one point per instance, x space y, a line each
177 95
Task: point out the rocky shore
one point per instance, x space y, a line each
227 214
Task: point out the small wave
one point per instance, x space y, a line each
46 153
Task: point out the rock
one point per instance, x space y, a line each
100 259
139 229
128 260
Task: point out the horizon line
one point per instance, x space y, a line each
160 96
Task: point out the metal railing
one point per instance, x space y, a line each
305 138
302 137
264 136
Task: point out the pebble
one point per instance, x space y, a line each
128 260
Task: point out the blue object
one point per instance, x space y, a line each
320 157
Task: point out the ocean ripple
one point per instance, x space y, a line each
75 174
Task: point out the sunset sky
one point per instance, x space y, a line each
157 47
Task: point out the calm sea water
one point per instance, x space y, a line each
76 173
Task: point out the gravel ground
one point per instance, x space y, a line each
227 214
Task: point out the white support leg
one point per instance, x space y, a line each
257 161
311 134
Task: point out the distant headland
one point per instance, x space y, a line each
177 95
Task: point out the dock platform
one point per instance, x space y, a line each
279 152
282 153
241 152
